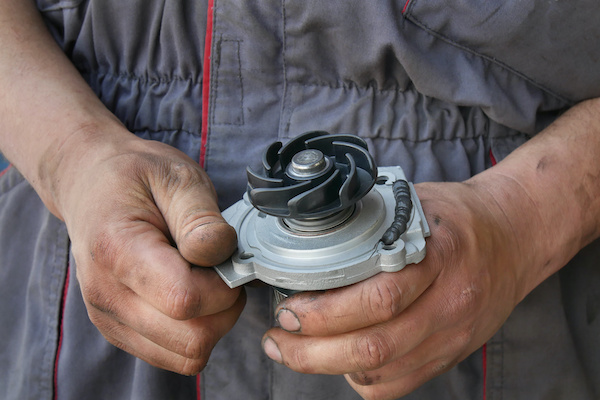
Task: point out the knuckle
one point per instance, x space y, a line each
440 366
300 362
371 351
97 298
364 378
463 302
108 254
470 297
196 345
462 339
190 367
181 303
116 333
180 176
194 349
383 300
113 331
447 239
103 250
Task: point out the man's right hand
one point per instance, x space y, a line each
143 219
141 215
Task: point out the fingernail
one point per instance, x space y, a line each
270 348
288 320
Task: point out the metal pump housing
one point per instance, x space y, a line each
321 215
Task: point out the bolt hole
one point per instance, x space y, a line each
381 180
389 247
246 256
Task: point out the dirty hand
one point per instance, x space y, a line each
142 217
494 238
394 331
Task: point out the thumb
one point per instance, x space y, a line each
188 202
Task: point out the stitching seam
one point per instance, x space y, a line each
284 121
348 86
238 75
490 59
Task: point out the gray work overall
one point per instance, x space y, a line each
441 88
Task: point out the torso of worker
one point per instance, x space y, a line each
441 88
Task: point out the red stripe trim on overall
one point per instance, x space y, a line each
205 112
5 170
484 348
484 361
206 83
63 302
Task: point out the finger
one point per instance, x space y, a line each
157 339
373 347
187 200
360 350
141 258
443 348
375 300
400 387
130 341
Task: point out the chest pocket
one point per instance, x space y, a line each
553 44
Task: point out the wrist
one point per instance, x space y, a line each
64 161
523 229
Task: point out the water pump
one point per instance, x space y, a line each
320 214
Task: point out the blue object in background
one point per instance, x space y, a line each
3 163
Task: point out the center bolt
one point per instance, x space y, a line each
307 164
